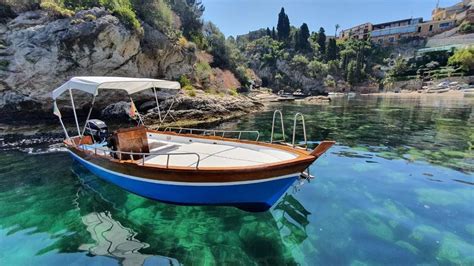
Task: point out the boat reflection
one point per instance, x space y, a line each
111 238
118 242
191 234
293 220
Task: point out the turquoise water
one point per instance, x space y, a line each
397 189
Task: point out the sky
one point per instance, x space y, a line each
235 17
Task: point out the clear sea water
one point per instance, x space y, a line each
397 189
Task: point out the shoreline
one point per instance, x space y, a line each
448 94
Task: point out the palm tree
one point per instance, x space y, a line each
337 27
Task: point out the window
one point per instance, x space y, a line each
444 25
419 29
431 28
391 39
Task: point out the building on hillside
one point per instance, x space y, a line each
432 27
360 32
391 32
457 11
470 15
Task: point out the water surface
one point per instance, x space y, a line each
397 189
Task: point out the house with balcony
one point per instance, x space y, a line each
360 32
391 32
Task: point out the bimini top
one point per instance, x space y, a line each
130 85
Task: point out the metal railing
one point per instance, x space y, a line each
142 155
273 125
213 132
294 129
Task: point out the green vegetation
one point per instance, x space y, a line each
466 27
56 9
463 58
4 64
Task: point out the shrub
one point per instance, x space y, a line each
300 61
128 17
329 82
190 90
56 9
203 71
463 58
233 91
90 17
317 69
184 81
156 13
466 27
182 42
4 64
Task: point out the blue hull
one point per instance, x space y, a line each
255 196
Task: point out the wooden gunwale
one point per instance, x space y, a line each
203 174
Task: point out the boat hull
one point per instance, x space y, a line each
257 195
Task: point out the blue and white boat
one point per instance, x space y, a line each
180 165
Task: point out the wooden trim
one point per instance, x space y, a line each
322 148
191 174
209 174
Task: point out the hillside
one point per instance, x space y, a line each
43 43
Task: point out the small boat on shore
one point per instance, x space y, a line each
468 92
184 166
299 94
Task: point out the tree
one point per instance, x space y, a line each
302 41
351 73
274 35
283 26
463 58
269 33
322 41
189 12
337 27
216 45
332 50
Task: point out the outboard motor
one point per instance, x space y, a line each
97 129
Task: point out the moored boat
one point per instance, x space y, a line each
184 166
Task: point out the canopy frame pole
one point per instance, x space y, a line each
87 119
75 114
62 125
169 109
138 113
157 104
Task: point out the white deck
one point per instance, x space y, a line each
213 153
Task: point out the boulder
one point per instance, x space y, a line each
39 53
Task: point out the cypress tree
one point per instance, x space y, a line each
332 50
269 33
322 41
303 36
283 26
274 35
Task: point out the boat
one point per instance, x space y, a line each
335 94
184 166
299 94
468 92
285 97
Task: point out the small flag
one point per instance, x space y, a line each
56 110
133 110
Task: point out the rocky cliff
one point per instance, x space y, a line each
39 53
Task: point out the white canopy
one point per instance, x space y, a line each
130 85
